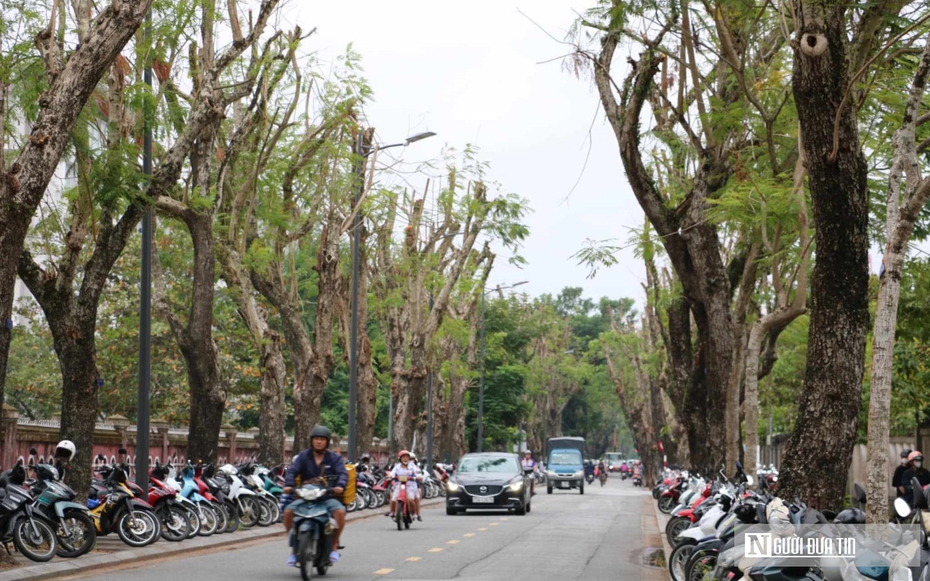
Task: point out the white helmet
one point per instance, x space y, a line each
66 450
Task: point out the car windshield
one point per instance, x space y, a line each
565 458
499 464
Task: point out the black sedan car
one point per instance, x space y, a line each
489 481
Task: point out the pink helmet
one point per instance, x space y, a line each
403 453
914 456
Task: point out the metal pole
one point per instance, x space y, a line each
145 310
390 416
429 408
353 341
481 385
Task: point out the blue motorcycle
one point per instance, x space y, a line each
313 530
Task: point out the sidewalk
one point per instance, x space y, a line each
111 551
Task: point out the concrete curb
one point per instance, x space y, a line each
662 520
66 567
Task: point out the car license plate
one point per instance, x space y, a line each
483 499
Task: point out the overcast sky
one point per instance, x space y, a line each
469 71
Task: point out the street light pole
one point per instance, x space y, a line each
481 383
429 407
361 152
145 297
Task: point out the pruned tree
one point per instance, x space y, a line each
69 80
429 252
908 192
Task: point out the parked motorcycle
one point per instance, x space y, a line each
114 508
32 533
54 499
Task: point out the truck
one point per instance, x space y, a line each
565 464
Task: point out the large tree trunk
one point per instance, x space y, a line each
23 184
410 385
208 387
825 429
901 214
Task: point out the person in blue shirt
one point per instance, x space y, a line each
315 464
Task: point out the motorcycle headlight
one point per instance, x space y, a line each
452 486
517 486
310 493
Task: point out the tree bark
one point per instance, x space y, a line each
23 184
901 214
825 429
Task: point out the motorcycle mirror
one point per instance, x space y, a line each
860 493
122 451
901 508
920 499
33 451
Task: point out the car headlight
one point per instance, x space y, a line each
579 473
517 486
550 473
452 486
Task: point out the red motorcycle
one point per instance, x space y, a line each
401 509
222 517
176 524
669 497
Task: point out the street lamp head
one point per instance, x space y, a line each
419 136
519 283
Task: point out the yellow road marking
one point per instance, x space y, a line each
436 550
468 535
452 542
482 529
493 524
414 559
383 571
505 519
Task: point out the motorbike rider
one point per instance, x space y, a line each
897 480
65 451
530 464
406 467
915 470
315 463
589 469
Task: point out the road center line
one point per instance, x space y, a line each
383 571
436 550
414 559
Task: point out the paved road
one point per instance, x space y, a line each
601 535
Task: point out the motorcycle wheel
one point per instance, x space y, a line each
399 514
674 528
352 506
678 561
221 520
175 525
265 514
275 508
305 556
37 544
248 511
194 519
666 504
207 520
81 537
232 517
361 499
700 564
138 528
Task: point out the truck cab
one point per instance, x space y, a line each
565 464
